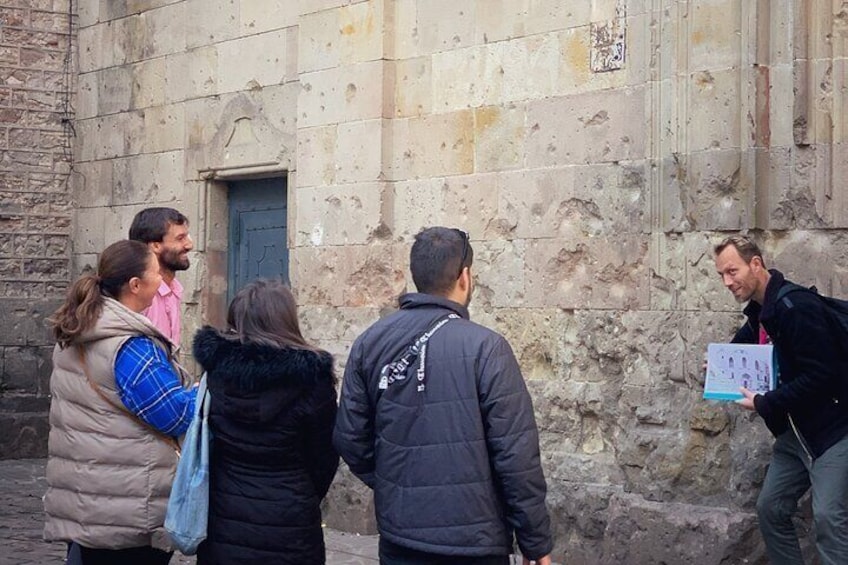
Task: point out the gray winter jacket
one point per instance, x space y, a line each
455 468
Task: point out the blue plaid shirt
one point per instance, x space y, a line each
150 388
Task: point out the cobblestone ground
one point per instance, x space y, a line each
21 520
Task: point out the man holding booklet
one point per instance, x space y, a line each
807 411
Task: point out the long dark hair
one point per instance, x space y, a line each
264 312
83 305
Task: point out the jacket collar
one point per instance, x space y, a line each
422 300
255 367
759 312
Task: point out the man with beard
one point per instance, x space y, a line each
806 412
165 231
436 418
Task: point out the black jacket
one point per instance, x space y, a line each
272 459
455 469
812 365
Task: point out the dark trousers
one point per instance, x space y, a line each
393 554
79 555
789 476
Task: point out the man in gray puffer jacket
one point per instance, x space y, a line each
436 418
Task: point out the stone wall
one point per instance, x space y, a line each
36 87
594 150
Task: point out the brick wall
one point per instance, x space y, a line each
36 82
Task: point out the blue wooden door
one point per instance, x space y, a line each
257 232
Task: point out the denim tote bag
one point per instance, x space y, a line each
188 505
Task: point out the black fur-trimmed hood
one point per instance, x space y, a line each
255 368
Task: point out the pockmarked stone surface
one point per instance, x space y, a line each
595 151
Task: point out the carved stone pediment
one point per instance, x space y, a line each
245 141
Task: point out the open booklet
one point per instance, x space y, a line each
734 365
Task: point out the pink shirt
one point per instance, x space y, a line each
764 337
164 312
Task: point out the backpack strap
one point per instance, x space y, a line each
790 287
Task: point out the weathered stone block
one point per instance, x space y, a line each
337 275
404 21
589 272
358 151
112 136
46 269
719 189
499 137
810 258
596 524
349 34
310 6
714 106
499 274
434 145
328 324
779 97
26 370
348 93
339 215
148 83
215 21
164 128
538 337
569 202
413 94
191 75
445 25
469 202
88 13
58 224
27 245
279 106
497 20
266 16
26 434
805 204
39 58
349 505
267 67
587 128
715 29
89 236
147 178
24 321
11 268
160 32
316 155
530 67
468 78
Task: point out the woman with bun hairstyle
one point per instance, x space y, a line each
273 407
119 400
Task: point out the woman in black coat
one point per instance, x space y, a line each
271 417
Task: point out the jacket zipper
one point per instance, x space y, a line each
800 439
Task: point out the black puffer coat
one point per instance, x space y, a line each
455 468
272 459
812 363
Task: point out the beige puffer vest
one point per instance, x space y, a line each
108 475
